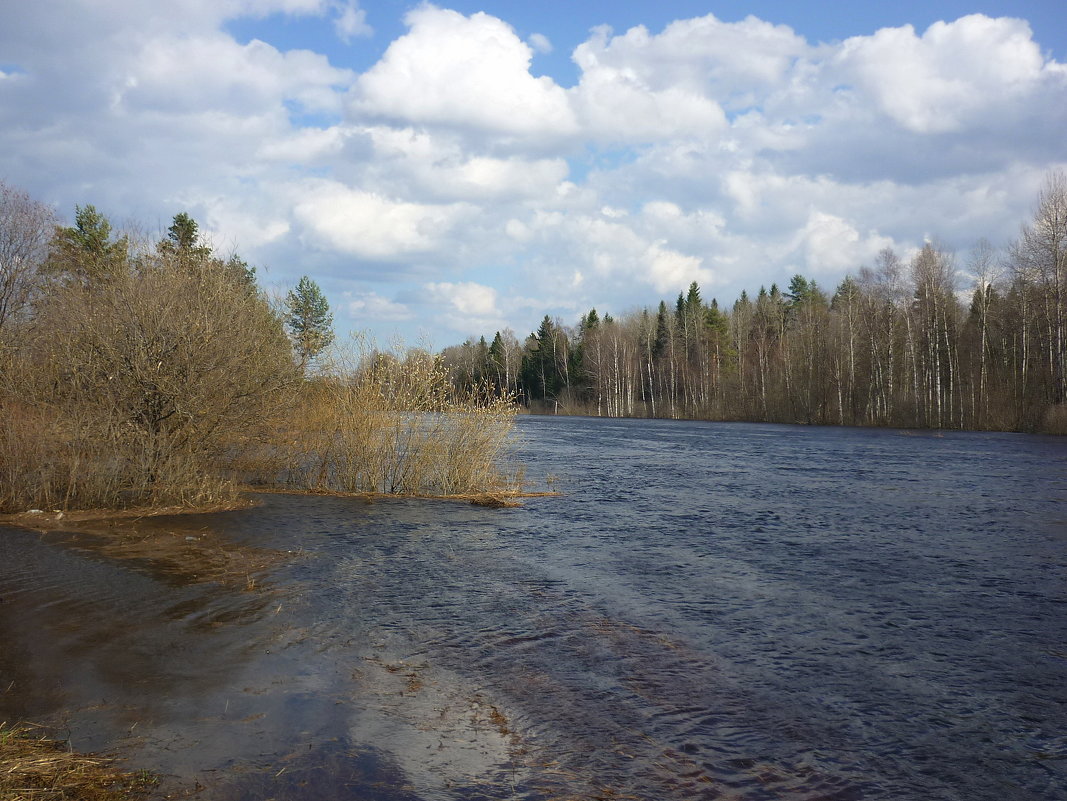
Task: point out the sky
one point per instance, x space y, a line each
450 170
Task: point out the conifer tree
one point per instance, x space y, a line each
308 317
183 240
86 251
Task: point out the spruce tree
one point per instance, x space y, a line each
183 241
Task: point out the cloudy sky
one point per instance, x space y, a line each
449 170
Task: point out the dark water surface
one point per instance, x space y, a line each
724 611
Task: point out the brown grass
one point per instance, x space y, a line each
35 767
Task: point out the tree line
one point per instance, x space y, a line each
899 343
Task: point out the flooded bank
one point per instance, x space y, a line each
709 611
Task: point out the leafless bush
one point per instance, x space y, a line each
395 425
142 392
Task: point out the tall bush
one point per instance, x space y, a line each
140 391
391 424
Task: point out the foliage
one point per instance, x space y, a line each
87 253
183 241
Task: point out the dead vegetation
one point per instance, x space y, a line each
134 391
391 424
135 376
35 767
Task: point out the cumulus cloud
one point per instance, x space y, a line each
540 43
368 225
953 72
734 63
472 194
363 306
465 72
350 21
466 305
830 245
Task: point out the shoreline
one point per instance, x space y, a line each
58 519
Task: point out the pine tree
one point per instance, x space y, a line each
183 240
307 314
86 252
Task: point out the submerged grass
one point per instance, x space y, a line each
36 767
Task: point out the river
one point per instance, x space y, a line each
706 611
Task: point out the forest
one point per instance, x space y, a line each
936 341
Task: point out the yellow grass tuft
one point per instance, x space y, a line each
34 767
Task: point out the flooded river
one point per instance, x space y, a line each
707 611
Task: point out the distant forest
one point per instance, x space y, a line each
898 344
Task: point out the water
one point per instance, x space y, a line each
721 611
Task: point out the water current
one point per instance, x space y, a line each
706 611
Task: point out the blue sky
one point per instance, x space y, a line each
449 170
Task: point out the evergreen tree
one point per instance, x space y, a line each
692 298
239 270
86 252
497 363
541 372
308 317
183 240
663 331
591 321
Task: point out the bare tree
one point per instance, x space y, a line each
26 227
1040 261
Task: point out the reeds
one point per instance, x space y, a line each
392 424
34 767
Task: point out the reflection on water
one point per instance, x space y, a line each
709 611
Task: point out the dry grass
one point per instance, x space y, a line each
34 767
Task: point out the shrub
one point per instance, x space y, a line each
141 391
395 425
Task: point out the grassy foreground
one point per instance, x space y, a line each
34 767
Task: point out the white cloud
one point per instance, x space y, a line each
370 226
372 306
466 72
950 75
702 56
304 146
832 246
350 21
214 72
732 154
540 43
465 306
476 300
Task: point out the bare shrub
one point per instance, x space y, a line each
381 423
140 392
